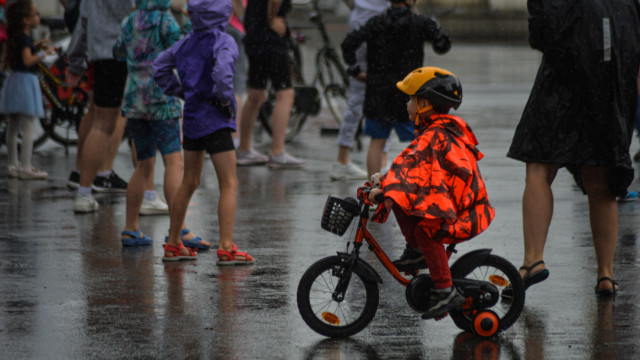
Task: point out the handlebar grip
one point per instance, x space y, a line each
380 198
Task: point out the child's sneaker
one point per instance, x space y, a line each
32 174
410 260
251 157
156 207
441 303
83 204
285 161
74 180
113 183
14 171
349 171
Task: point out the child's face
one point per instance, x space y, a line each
33 19
412 107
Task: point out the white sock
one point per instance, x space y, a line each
105 174
149 195
86 192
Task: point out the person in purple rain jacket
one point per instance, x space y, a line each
205 63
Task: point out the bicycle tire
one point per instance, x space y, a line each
296 119
508 310
334 81
62 123
319 279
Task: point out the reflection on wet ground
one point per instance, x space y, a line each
69 290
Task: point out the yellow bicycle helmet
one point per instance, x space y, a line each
441 87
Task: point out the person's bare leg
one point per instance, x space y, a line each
249 114
114 144
603 215
239 105
344 155
537 211
225 165
280 119
135 192
84 127
97 143
193 163
173 168
374 156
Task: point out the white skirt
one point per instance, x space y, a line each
21 95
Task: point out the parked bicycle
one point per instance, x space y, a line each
338 296
330 79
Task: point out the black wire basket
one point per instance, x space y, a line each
338 214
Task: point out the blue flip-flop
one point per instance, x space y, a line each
193 243
137 238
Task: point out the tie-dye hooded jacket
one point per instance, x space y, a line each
437 179
145 34
205 60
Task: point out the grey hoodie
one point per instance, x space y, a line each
97 30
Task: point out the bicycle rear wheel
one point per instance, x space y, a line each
62 122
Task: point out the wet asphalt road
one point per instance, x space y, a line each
69 290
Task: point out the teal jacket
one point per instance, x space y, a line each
145 34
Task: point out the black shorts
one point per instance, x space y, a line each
110 77
269 65
219 141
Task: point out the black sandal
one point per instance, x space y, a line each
529 279
606 292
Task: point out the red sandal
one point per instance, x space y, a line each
176 252
229 257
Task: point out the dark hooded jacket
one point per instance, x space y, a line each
395 47
582 106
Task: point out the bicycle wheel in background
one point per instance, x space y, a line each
296 119
334 82
61 120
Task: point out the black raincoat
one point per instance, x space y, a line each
582 106
395 47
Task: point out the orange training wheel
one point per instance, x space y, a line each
486 323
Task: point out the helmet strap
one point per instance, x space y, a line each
417 122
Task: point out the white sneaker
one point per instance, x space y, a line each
32 174
349 171
83 204
250 157
156 207
285 161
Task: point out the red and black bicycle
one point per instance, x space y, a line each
338 296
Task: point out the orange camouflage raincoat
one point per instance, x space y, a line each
437 179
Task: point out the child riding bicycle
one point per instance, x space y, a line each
434 187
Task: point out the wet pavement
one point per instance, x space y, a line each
69 290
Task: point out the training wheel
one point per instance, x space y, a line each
486 323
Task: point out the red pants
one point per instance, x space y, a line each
433 250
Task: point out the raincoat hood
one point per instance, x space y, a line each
209 14
153 4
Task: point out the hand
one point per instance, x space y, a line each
362 77
43 44
279 25
73 79
373 193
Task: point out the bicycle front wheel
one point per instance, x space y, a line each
334 81
323 313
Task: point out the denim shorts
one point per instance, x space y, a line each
382 130
149 135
